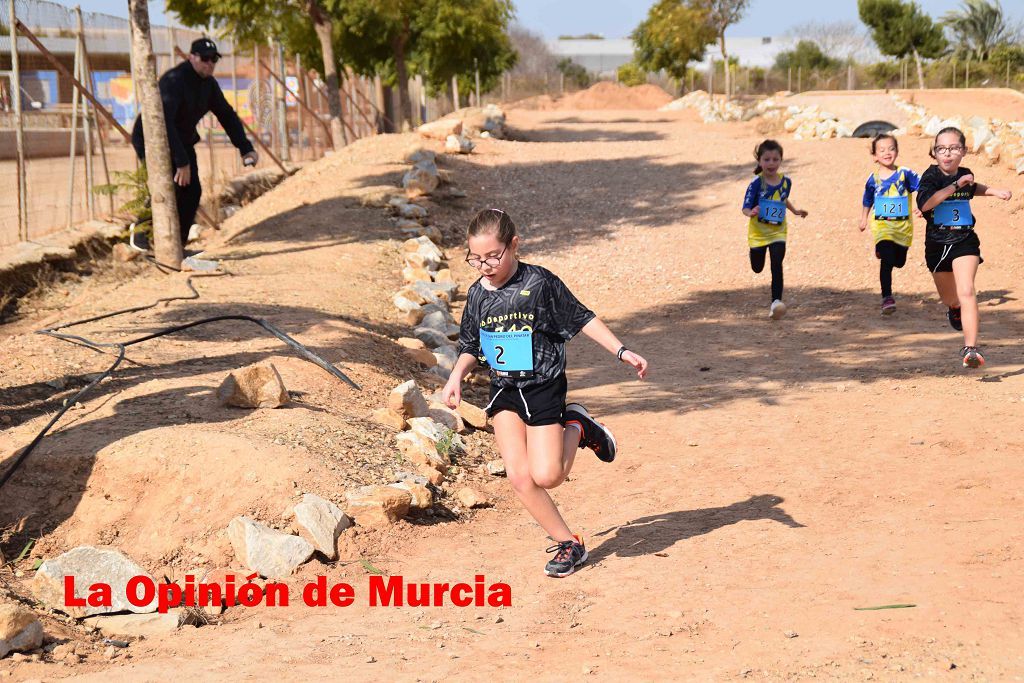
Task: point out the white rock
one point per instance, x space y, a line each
88 566
271 553
323 521
458 144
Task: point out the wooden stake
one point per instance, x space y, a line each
19 126
85 76
74 138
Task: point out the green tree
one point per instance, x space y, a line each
806 54
901 28
977 28
304 27
721 15
573 72
630 74
461 38
674 34
435 38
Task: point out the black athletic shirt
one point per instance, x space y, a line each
932 181
534 300
187 98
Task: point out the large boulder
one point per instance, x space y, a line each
89 566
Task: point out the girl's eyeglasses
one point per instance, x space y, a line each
952 149
493 261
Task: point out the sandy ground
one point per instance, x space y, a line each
772 477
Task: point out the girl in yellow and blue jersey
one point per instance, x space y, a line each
887 203
765 203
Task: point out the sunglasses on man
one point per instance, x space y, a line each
209 58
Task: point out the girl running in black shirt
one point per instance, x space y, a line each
517 319
952 249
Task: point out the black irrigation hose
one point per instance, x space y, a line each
122 346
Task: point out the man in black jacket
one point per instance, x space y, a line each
189 91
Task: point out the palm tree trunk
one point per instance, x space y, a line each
166 234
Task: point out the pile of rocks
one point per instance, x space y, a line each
808 123
994 139
457 128
710 109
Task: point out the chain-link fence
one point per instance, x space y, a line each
71 145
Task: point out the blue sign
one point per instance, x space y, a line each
508 351
892 208
954 213
771 211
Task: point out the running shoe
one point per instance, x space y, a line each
568 556
953 316
777 310
888 305
593 434
972 357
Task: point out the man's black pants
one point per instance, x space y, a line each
188 197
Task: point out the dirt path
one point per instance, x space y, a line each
772 477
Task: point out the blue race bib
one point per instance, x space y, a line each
508 352
953 213
771 211
892 208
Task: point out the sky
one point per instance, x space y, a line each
617 18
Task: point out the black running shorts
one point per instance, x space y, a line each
537 405
939 257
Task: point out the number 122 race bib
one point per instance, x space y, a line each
771 211
510 354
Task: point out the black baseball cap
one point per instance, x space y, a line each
204 47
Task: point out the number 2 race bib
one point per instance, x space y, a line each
892 208
510 354
771 211
954 213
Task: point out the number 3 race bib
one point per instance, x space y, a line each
771 211
892 208
954 214
510 354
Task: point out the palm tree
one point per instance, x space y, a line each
977 27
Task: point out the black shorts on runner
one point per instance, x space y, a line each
939 257
537 406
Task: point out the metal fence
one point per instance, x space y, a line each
73 143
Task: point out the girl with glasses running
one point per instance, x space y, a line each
517 320
765 203
952 249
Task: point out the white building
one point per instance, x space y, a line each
603 57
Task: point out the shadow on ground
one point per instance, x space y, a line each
717 346
657 533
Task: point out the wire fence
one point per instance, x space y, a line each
72 145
